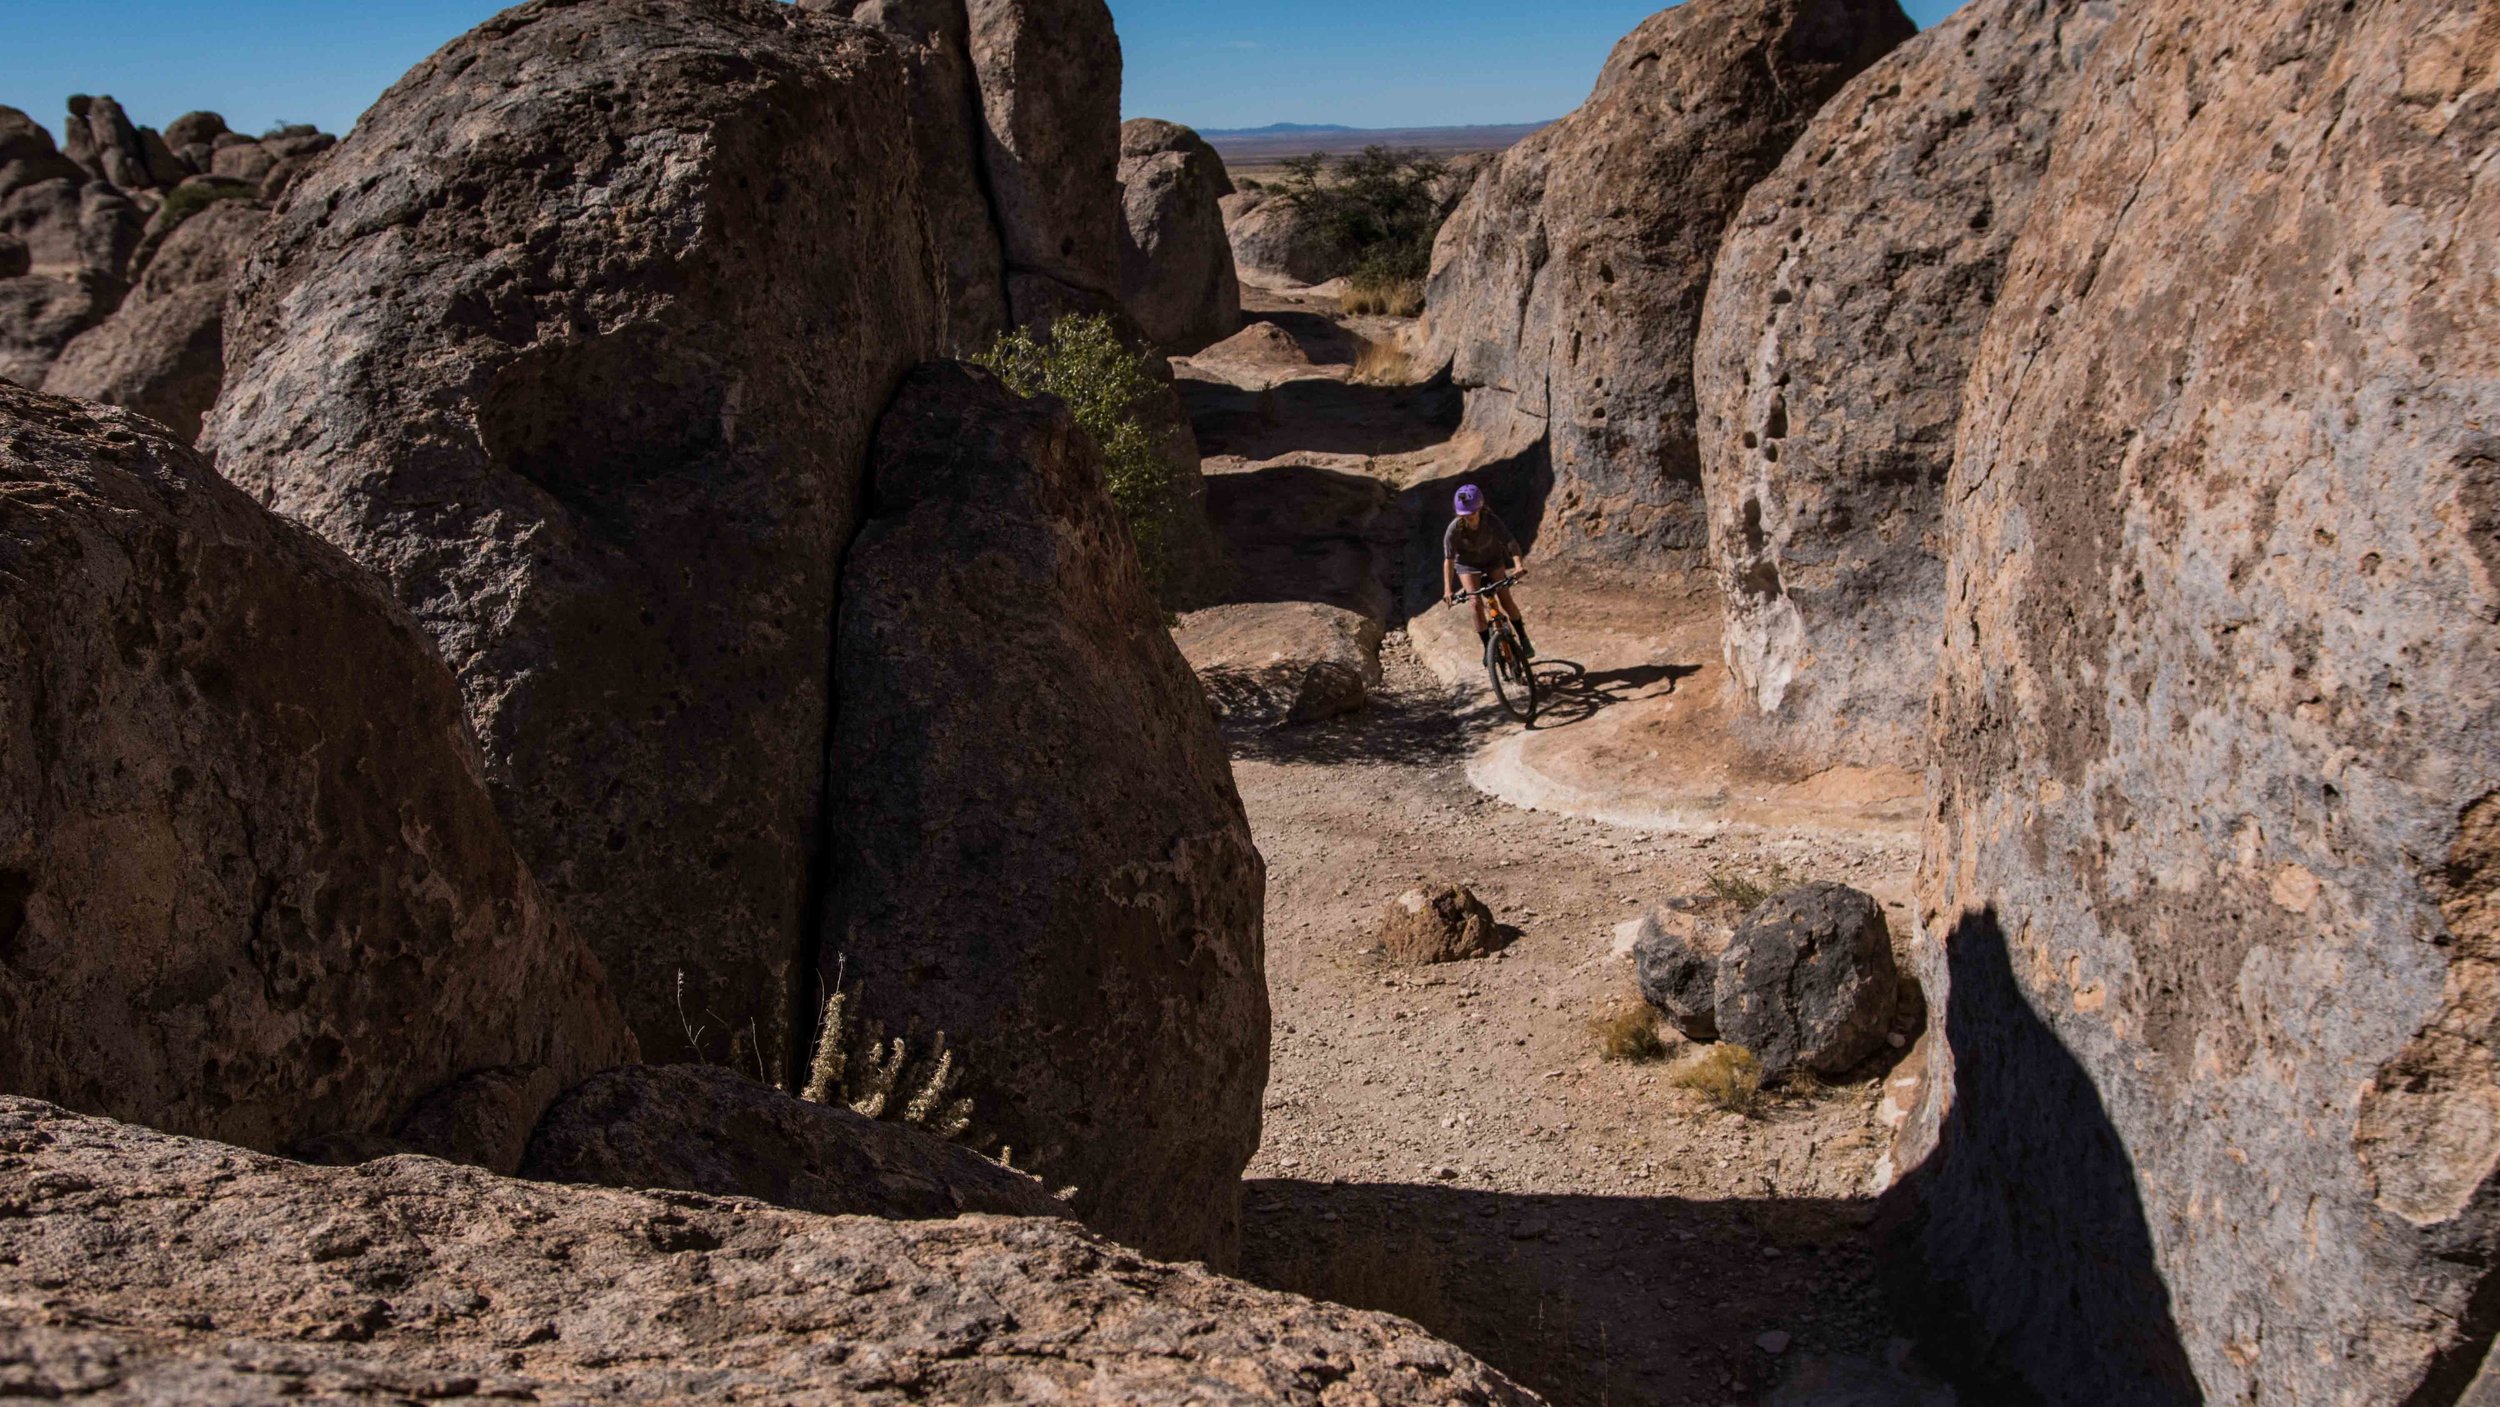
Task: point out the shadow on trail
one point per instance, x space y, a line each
1575 694
1585 1299
1317 415
1395 728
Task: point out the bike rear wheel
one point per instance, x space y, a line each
1514 678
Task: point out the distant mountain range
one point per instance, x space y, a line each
1242 146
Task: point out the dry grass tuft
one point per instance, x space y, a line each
1388 298
1726 1075
857 1067
1744 893
1383 364
1629 1033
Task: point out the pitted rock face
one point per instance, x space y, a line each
1037 845
235 1278
578 342
252 886
2208 891
1566 289
162 353
1844 310
1176 266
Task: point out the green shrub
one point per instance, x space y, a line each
185 201
1113 395
1382 207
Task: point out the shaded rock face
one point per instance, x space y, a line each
28 155
236 1278
1567 287
1808 981
1281 663
1274 239
2218 730
1048 73
40 314
252 886
1443 923
699 1128
1675 957
1080 913
947 126
1846 305
603 431
162 353
1176 266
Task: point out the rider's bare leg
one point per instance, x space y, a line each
1470 583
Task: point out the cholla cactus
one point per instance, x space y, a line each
857 1067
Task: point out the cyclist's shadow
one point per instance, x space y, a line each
1574 693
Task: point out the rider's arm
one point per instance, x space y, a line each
1449 580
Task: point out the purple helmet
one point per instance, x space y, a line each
1470 499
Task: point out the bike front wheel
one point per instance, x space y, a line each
1514 679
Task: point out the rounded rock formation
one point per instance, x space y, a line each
1808 981
580 348
2208 909
1844 309
163 352
1275 240
1566 289
1037 847
1435 924
252 886
1675 957
1176 266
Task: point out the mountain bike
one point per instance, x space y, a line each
1505 653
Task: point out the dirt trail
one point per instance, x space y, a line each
1446 1143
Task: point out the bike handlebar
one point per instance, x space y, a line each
1504 584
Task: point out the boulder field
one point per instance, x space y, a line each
1567 287
2209 896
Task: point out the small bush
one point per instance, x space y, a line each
1399 298
857 1067
1107 385
1382 208
1727 1076
1629 1033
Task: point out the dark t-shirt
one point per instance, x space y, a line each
1486 547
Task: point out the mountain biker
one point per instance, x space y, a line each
1471 550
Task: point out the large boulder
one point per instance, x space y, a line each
1176 268
1847 302
579 341
28 155
2210 894
67 226
1566 289
162 353
252 886
700 1128
1808 981
1276 664
104 143
1278 241
41 314
1037 848
1048 76
152 1270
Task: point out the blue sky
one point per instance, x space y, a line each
1208 63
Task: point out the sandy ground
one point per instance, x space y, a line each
1447 1142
